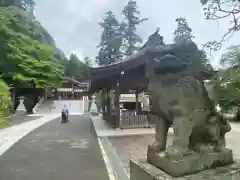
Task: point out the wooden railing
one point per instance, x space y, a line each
129 119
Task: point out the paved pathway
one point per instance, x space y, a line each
11 135
56 151
21 118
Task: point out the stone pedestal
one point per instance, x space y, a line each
190 163
142 170
21 108
93 107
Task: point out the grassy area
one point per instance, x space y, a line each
4 119
3 123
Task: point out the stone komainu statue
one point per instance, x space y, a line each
179 98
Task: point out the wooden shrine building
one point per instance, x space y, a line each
70 89
132 73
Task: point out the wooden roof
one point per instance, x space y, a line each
74 81
134 76
131 62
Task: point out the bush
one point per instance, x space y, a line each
5 103
29 103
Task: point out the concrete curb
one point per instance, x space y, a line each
115 161
93 128
93 125
111 173
114 167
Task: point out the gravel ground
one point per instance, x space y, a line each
134 147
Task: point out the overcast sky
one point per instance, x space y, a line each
74 25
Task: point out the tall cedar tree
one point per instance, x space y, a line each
88 61
131 40
26 4
110 44
183 33
76 68
197 60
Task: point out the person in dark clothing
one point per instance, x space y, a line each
64 113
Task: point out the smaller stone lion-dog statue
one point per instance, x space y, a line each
180 98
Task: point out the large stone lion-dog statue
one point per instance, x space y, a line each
179 98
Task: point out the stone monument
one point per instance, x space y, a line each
21 108
93 108
180 98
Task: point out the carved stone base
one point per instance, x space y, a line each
142 170
189 163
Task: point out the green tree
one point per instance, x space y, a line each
26 4
183 33
131 40
88 61
227 81
5 103
10 2
5 96
231 59
197 60
76 68
28 54
111 40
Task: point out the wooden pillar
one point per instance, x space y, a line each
150 72
108 102
116 103
103 100
104 104
13 97
107 111
137 103
89 101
